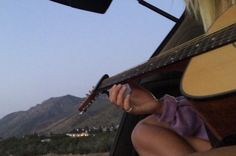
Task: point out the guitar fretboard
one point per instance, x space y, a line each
189 49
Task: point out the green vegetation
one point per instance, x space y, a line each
33 145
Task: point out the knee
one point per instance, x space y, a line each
138 134
142 129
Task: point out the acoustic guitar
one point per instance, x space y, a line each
211 71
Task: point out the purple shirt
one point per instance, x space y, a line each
180 115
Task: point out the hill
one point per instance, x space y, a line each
58 115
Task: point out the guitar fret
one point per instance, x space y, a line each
135 72
220 41
158 64
232 33
200 46
223 38
152 65
233 37
165 60
205 45
171 58
161 62
226 34
232 29
213 40
183 54
192 50
149 66
127 74
209 42
144 68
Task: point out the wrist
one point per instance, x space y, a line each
158 105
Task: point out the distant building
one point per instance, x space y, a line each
91 131
77 133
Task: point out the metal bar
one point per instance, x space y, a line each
163 13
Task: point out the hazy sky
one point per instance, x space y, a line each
49 50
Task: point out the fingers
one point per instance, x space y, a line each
127 106
113 93
118 96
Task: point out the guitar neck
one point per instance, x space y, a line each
189 49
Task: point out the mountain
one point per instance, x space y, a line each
58 115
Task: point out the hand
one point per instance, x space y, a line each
139 101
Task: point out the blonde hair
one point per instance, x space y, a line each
207 11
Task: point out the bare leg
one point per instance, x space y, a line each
198 144
151 138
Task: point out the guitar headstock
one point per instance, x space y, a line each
91 96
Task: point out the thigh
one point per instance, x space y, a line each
151 137
197 144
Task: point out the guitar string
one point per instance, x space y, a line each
186 45
175 50
196 39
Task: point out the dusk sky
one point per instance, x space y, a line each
50 50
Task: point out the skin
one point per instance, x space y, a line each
151 137
139 99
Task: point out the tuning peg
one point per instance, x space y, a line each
92 94
85 109
90 104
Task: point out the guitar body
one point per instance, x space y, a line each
213 73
